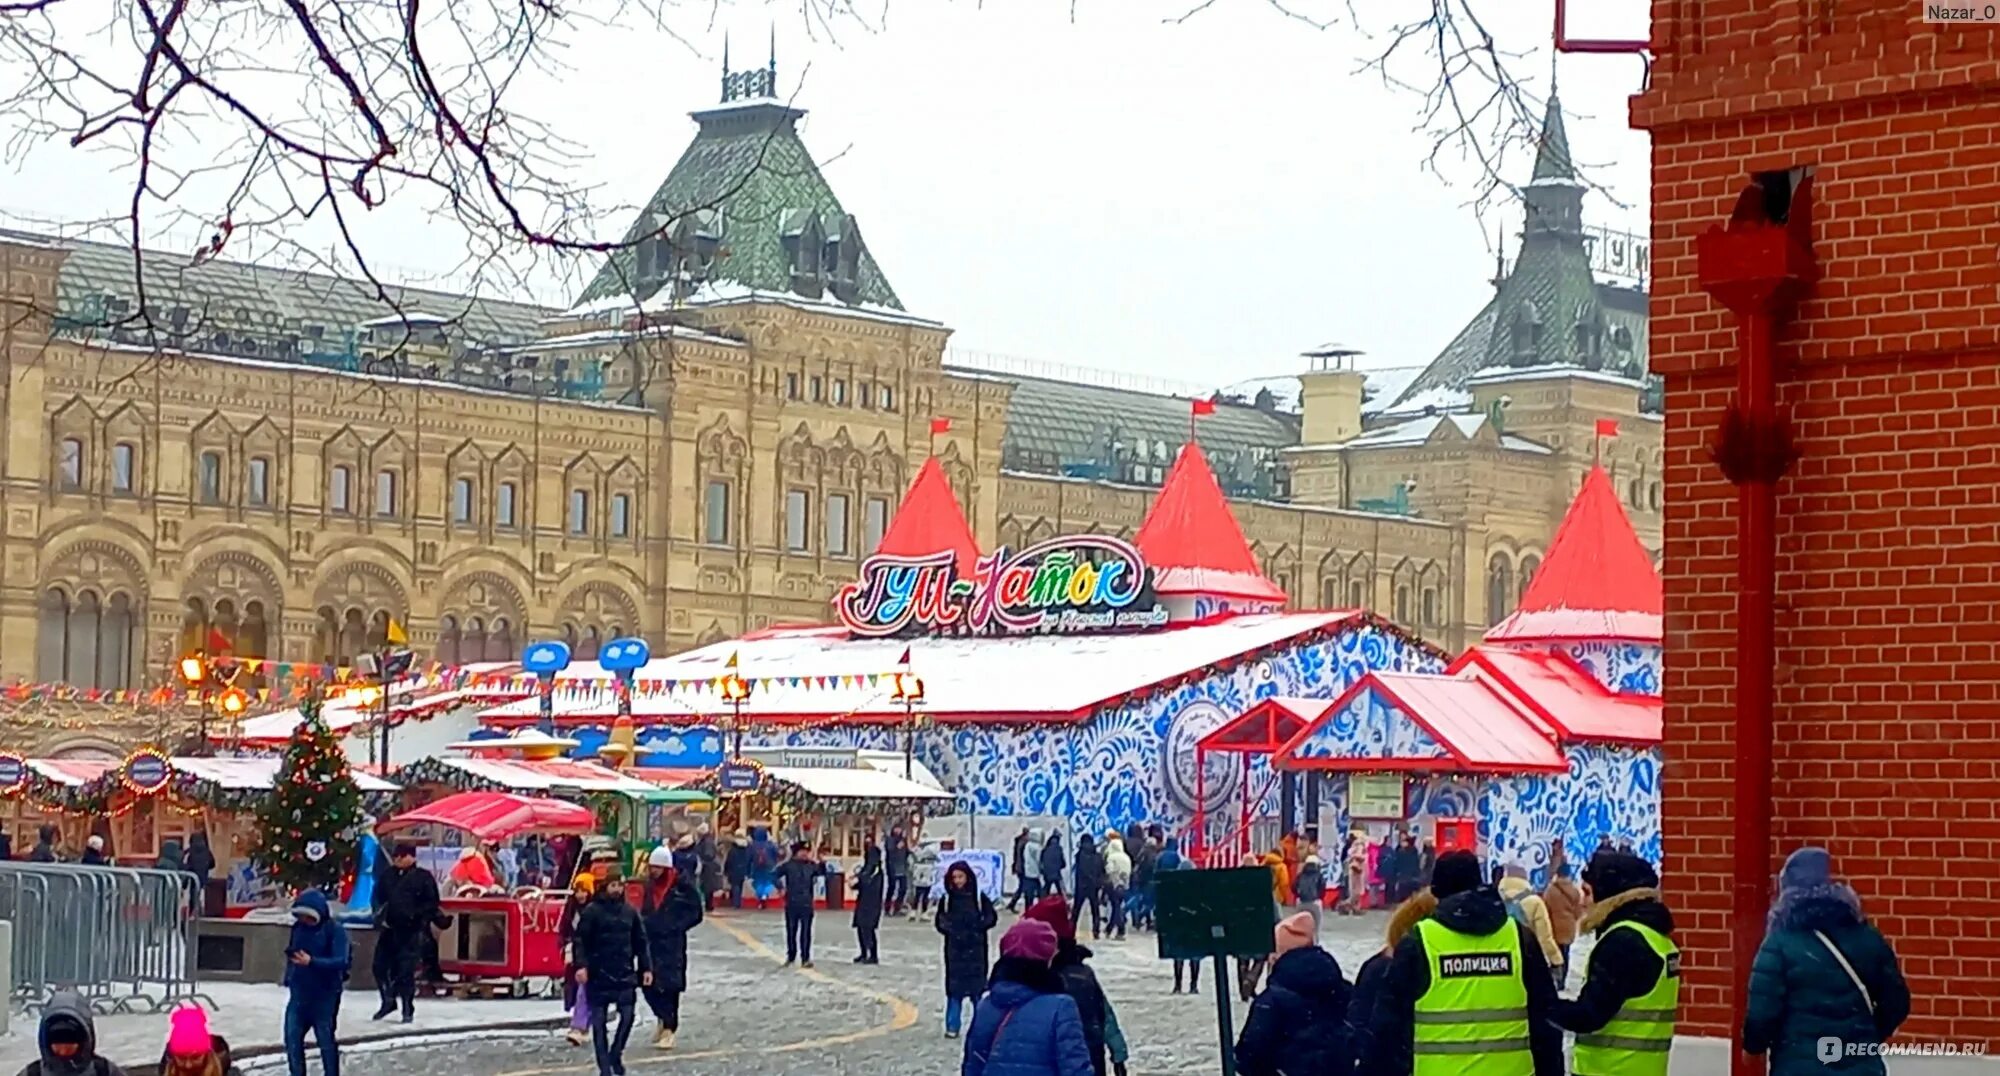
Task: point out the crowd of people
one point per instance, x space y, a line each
1473 973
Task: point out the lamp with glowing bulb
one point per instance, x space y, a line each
908 688
735 691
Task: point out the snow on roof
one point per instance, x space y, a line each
803 673
246 774
522 775
1596 581
1480 727
1560 692
1549 372
72 772
1429 401
864 782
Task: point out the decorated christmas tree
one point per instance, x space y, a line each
307 827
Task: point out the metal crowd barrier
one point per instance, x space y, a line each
124 939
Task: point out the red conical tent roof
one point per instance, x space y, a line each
930 520
1596 583
1191 540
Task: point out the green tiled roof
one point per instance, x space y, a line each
748 162
255 310
1550 310
1059 427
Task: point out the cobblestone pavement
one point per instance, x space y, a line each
746 1010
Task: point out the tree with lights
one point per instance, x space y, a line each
307 827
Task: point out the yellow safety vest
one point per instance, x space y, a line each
1637 1040
1473 1020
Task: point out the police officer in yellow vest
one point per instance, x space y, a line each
1624 1016
1467 992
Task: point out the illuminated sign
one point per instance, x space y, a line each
1080 583
737 778
13 773
147 771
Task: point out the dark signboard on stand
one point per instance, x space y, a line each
1204 914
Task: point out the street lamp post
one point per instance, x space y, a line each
194 672
736 692
545 660
909 690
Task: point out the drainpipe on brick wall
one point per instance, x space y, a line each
1757 265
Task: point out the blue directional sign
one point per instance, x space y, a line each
624 655
546 659
737 778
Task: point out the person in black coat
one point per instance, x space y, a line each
736 868
1467 905
671 906
1297 1026
200 858
1089 875
868 896
406 903
1053 862
1405 870
1622 965
1079 982
796 876
966 918
897 868
616 961
44 850
1376 1057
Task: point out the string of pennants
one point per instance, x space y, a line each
304 675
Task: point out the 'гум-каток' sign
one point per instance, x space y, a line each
1079 583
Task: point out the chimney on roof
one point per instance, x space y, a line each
1330 395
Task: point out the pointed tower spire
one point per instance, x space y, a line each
1597 582
930 521
725 65
774 58
1196 549
1552 158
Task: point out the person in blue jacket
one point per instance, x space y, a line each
1026 1025
1823 973
317 958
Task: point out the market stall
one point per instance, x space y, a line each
32 794
503 940
833 798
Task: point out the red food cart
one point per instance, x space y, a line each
499 942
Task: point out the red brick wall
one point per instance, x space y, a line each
1888 620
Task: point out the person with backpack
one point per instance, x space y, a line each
1026 1025
764 859
1117 881
1309 889
1823 972
1297 1026
1529 910
67 1039
317 961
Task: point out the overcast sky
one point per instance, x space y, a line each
1197 202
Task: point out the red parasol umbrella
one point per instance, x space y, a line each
494 816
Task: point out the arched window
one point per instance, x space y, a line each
378 631
446 652
587 649
1499 588
385 493
1357 595
353 636
69 465
1529 565
500 641
461 501
1430 607
1329 593
474 645
52 637
208 478
340 490
83 639
253 636
503 506
1403 603
326 635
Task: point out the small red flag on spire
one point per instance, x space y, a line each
905 659
940 425
1607 427
1201 407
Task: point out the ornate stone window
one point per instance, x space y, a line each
1499 588
1530 564
720 459
340 489
798 521
70 465
208 477
579 511
715 512
839 527
124 467
461 501
620 521
506 507
387 487
257 482
85 639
